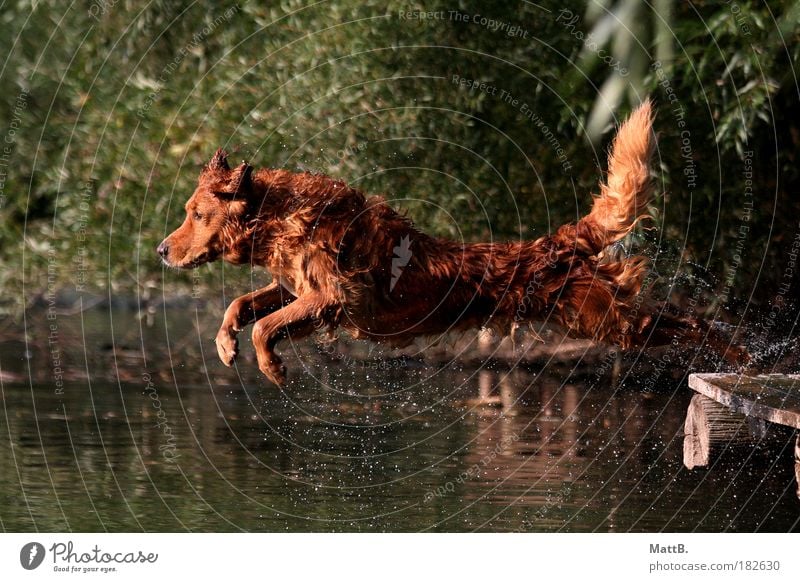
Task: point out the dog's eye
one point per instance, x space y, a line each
197 215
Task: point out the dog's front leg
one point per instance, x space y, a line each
242 312
295 321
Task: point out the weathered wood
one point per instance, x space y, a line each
774 398
732 410
710 428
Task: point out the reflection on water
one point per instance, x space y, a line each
135 443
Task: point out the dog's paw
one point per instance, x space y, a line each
227 346
275 371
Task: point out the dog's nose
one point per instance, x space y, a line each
163 249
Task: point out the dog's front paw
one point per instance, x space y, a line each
227 346
275 371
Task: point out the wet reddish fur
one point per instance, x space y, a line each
330 251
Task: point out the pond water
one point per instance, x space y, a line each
150 433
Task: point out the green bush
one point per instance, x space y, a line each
113 107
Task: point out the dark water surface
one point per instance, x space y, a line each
381 445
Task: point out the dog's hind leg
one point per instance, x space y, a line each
665 325
242 312
297 320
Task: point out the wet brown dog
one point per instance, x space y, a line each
340 259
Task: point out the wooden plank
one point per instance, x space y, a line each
774 397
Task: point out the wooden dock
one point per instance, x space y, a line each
730 410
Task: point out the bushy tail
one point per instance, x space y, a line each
603 303
628 189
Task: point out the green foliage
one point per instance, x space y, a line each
118 104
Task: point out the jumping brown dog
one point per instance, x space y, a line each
340 259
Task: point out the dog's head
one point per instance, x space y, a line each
215 215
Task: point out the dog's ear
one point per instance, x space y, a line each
240 180
219 161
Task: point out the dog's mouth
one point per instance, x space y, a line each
200 259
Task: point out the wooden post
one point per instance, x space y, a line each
485 341
710 427
616 370
797 463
